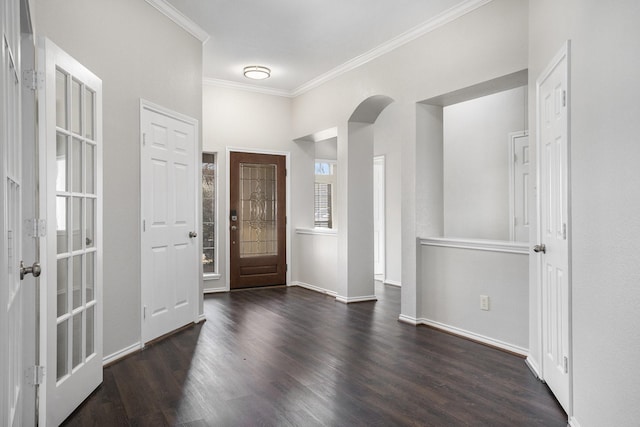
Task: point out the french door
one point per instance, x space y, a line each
257 218
70 138
12 295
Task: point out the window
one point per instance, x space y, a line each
209 255
325 194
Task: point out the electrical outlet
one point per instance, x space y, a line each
484 302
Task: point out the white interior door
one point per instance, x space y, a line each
552 98
378 217
170 248
519 186
70 114
12 300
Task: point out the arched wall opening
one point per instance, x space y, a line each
355 213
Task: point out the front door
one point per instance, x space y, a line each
70 141
553 247
170 248
257 219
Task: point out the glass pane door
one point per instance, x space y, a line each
75 223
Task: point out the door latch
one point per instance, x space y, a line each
540 248
34 269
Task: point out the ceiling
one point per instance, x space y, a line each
305 42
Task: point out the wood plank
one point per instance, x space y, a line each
293 357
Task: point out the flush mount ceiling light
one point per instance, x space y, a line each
257 72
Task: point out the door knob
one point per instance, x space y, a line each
234 228
193 234
540 248
34 269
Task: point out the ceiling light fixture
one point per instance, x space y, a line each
257 72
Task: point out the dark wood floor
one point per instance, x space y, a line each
292 357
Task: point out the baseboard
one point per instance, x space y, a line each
573 422
533 367
114 357
201 318
407 319
520 351
314 288
392 283
213 290
350 300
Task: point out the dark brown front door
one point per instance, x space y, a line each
257 220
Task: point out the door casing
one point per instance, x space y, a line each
224 212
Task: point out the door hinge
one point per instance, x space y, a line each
144 312
286 172
144 225
564 231
564 98
286 267
34 227
566 364
34 375
515 158
32 79
144 139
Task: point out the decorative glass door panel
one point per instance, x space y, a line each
258 228
258 224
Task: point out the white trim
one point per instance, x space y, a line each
201 318
404 38
318 231
475 337
533 367
214 290
113 357
479 245
380 161
408 320
210 276
208 81
573 422
392 283
314 288
349 300
180 19
287 155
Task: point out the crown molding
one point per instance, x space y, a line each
180 19
404 38
246 87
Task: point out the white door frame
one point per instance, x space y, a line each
379 161
197 153
563 54
227 224
512 190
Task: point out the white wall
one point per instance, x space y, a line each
247 120
317 266
451 298
605 218
482 45
138 53
476 163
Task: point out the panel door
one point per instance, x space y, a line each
70 111
257 220
555 275
170 248
12 300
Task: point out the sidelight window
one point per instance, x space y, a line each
325 194
209 255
